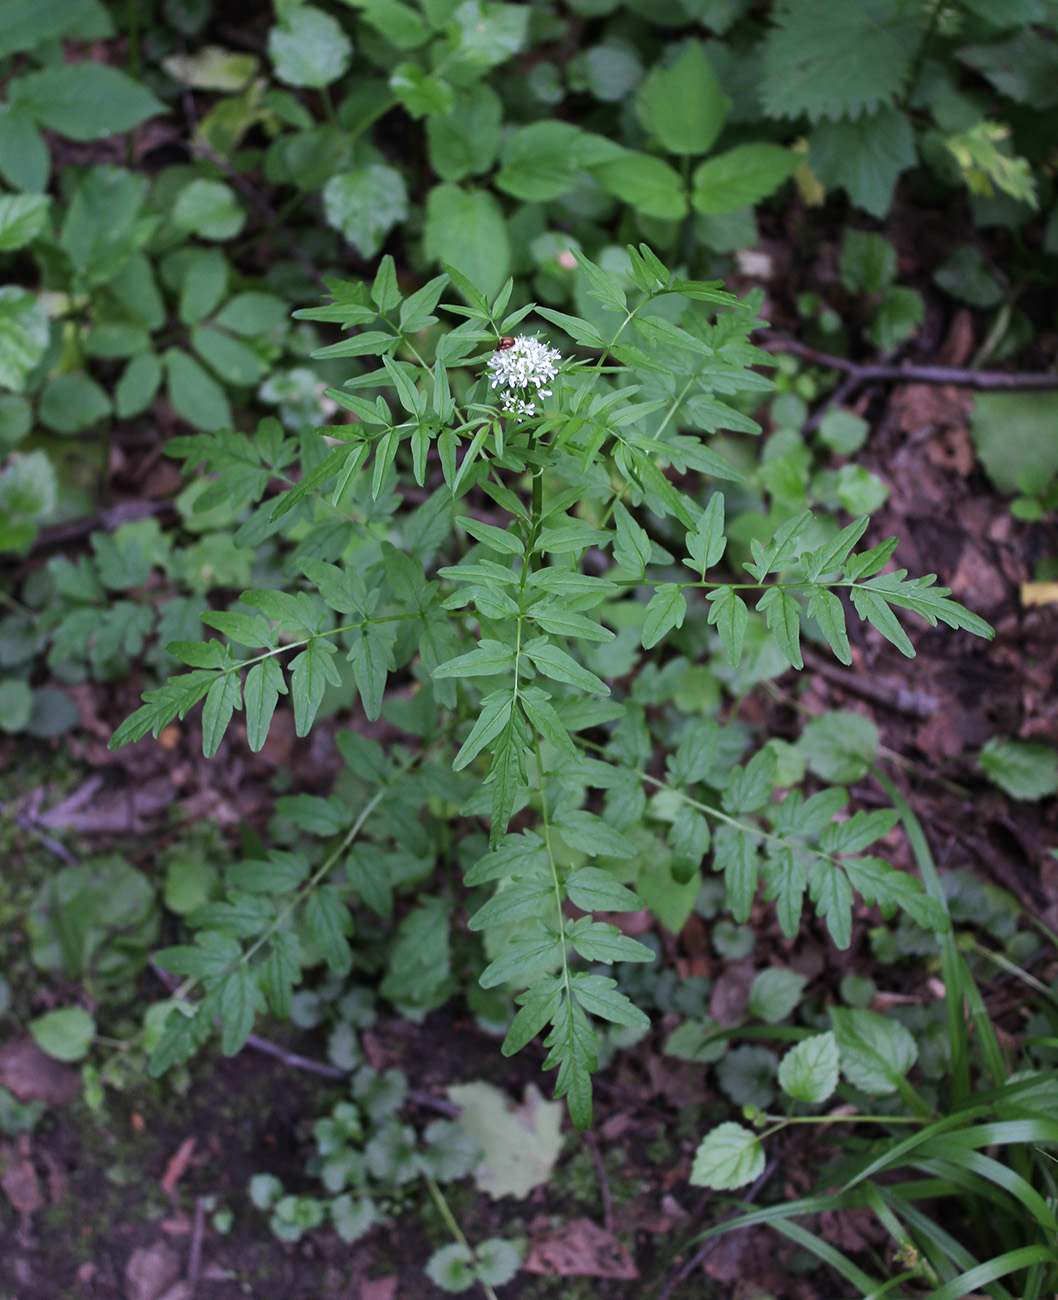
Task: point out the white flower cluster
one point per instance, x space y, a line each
525 363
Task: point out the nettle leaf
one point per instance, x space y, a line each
822 60
809 1071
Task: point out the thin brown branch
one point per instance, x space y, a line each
867 372
703 1254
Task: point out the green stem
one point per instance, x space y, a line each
452 1224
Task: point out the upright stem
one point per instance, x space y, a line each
452 1224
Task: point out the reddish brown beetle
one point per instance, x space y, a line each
505 343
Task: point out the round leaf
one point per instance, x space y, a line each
210 209
466 229
24 334
309 48
365 204
809 1071
65 1034
728 1157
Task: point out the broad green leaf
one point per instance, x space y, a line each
209 209
832 61
65 1034
28 23
85 100
865 156
365 204
73 402
729 1156
1012 434
775 993
466 230
809 1071
1025 769
740 178
195 396
22 218
24 160
309 48
840 746
649 184
684 107
876 1051
24 332
542 161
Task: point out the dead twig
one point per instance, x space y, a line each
194 1254
700 1256
604 1182
867 372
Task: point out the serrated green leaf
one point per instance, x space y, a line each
729 615
809 1071
666 610
729 1156
561 667
594 890
222 699
782 613
876 1051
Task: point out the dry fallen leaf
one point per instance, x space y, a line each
19 1181
580 1248
177 1166
32 1075
150 1271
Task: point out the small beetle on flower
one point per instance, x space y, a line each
519 364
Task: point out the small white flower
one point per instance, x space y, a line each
526 363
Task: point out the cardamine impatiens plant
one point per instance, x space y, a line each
515 554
